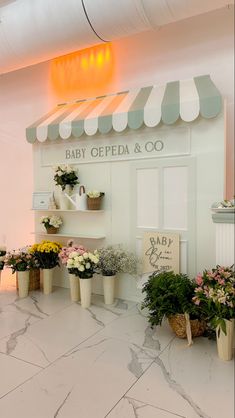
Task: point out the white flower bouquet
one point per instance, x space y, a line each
65 175
94 194
3 252
114 259
82 263
51 221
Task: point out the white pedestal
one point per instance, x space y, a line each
224 224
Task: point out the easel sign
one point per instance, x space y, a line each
160 252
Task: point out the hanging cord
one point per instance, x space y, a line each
86 14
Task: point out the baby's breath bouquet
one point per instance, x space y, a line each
65 175
114 259
47 254
3 252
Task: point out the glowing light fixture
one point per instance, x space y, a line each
83 73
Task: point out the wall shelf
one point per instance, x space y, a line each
84 236
68 210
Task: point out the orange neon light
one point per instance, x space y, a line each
83 73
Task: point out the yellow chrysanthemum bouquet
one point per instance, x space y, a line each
47 254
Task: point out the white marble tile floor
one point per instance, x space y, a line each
58 360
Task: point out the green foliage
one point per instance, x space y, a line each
167 294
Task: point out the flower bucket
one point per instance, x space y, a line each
94 203
85 289
52 230
74 287
47 281
23 283
178 325
109 287
225 342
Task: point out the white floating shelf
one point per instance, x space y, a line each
85 236
68 210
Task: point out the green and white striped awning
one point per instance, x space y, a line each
148 106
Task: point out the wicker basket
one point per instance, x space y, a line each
52 230
94 203
178 325
34 280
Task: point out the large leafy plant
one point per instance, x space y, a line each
167 294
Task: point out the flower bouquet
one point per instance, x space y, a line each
47 255
113 260
51 223
94 199
215 294
22 261
65 176
82 263
2 257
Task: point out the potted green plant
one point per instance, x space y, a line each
46 254
113 260
215 295
21 262
94 199
169 295
52 223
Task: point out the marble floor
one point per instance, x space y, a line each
58 360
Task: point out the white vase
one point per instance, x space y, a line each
109 286
74 287
64 202
23 283
225 342
85 290
47 276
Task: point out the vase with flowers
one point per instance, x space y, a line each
21 262
82 263
215 295
3 252
114 260
47 255
66 178
52 223
74 280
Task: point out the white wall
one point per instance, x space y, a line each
196 46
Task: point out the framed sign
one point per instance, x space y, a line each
41 200
160 252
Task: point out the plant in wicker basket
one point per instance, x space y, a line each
94 199
169 295
51 223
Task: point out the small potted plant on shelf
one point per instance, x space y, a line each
82 264
46 254
215 295
94 199
3 252
21 262
113 260
51 223
169 295
73 278
66 178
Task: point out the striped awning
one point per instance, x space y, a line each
148 106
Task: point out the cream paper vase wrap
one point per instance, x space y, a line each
47 275
225 343
74 287
23 283
109 287
85 289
